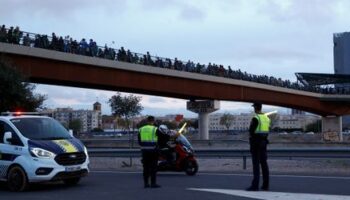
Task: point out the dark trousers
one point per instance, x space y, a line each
150 162
167 153
259 158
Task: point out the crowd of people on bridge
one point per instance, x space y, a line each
90 48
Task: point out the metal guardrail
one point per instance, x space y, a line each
331 153
122 143
234 153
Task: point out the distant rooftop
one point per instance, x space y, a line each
341 34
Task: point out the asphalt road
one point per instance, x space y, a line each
204 186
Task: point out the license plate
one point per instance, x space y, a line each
72 169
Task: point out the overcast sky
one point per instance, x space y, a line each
273 37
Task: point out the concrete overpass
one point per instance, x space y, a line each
58 68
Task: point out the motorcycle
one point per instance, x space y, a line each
178 156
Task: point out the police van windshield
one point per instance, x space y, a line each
41 128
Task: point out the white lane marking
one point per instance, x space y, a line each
115 172
281 175
274 195
133 172
224 174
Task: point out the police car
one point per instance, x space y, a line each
38 149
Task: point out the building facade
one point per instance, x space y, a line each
108 122
241 122
97 109
297 112
341 56
89 119
293 122
341 53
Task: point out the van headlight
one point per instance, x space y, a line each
85 151
41 153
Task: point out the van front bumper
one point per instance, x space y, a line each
68 175
58 172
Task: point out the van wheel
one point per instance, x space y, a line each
17 179
71 181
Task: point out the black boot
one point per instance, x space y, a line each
155 186
265 187
146 184
252 188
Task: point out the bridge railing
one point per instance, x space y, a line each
312 153
45 41
69 45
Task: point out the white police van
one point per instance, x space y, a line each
37 149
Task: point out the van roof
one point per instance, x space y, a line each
9 117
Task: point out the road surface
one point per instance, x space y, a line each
177 186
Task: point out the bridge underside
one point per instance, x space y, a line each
56 72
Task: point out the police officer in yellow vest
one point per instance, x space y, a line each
148 138
258 130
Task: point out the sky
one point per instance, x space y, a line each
273 37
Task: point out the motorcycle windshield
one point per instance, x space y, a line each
183 140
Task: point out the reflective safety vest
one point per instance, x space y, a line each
263 124
148 137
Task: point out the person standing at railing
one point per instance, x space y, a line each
259 130
129 57
26 40
149 60
54 42
45 43
121 55
93 48
10 35
74 47
17 35
60 44
67 44
83 47
3 34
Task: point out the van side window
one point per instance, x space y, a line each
4 127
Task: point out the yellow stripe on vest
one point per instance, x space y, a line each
66 146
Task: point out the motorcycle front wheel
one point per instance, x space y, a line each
191 167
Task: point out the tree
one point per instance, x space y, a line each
314 127
75 125
15 92
120 122
226 120
125 106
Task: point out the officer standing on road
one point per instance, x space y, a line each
148 138
258 130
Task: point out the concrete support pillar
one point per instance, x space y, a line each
203 122
203 108
332 128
